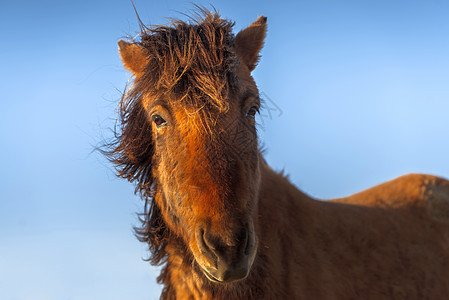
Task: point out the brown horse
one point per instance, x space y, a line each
222 223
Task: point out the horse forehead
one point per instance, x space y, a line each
202 125
197 116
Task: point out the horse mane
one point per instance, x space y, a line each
131 152
194 62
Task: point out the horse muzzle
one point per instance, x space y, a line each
221 262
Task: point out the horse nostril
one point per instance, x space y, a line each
248 244
206 247
250 240
243 241
208 242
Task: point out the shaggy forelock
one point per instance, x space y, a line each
191 61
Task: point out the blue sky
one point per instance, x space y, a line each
360 90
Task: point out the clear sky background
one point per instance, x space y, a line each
360 92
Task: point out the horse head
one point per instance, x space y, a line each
193 146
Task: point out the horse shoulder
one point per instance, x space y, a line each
412 190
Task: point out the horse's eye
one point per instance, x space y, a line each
159 121
252 112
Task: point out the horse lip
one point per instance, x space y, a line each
224 280
209 276
228 274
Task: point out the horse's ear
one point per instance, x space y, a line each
249 42
134 57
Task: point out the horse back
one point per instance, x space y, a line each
418 192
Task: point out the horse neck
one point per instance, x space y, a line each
282 206
284 219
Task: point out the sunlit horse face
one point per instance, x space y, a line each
202 102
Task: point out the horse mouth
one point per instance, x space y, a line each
209 276
228 276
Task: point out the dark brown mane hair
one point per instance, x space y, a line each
190 61
201 66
